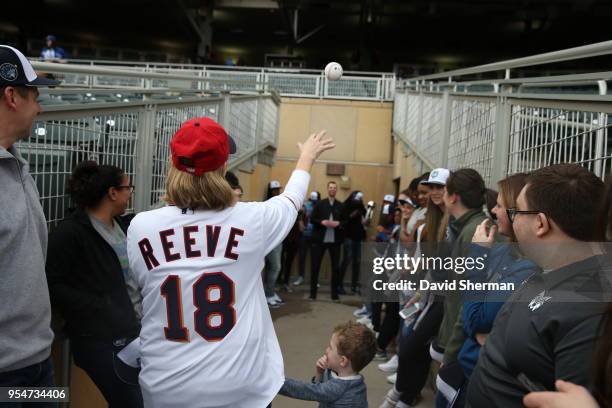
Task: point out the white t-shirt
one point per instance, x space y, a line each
207 337
418 215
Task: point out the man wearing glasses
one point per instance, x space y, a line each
548 327
25 318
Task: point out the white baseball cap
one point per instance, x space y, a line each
275 184
359 195
16 70
314 195
408 201
389 197
437 176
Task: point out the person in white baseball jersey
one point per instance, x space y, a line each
207 338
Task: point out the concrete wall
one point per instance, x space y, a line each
362 133
406 166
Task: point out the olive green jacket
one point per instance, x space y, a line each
450 335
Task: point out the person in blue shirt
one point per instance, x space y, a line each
51 52
503 264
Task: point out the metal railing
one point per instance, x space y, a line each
370 86
509 125
135 136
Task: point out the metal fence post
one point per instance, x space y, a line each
259 122
501 140
277 125
447 108
600 138
325 85
225 111
419 128
143 162
406 113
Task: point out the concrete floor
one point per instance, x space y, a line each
304 328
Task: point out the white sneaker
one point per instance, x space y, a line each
364 320
298 281
362 311
391 399
272 303
278 299
390 366
392 378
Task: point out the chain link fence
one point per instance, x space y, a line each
135 138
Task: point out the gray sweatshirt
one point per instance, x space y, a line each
331 392
25 313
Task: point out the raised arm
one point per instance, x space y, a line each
280 212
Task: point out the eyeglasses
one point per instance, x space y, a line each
130 187
512 212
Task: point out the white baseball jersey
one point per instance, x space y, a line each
207 336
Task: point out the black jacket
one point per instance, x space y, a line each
320 213
352 212
546 331
86 282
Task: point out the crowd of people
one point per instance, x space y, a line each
506 348
116 280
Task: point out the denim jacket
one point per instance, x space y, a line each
332 391
504 265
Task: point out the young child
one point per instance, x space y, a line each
338 383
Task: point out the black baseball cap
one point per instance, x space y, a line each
16 70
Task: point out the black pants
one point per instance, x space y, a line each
376 315
290 249
96 359
305 246
390 325
352 255
318 250
414 358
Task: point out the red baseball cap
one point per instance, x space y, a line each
200 145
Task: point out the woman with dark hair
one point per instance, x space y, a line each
306 239
414 359
353 220
87 270
419 200
273 259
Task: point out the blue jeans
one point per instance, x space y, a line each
36 375
272 269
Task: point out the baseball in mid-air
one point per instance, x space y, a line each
333 71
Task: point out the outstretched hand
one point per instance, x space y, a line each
316 144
